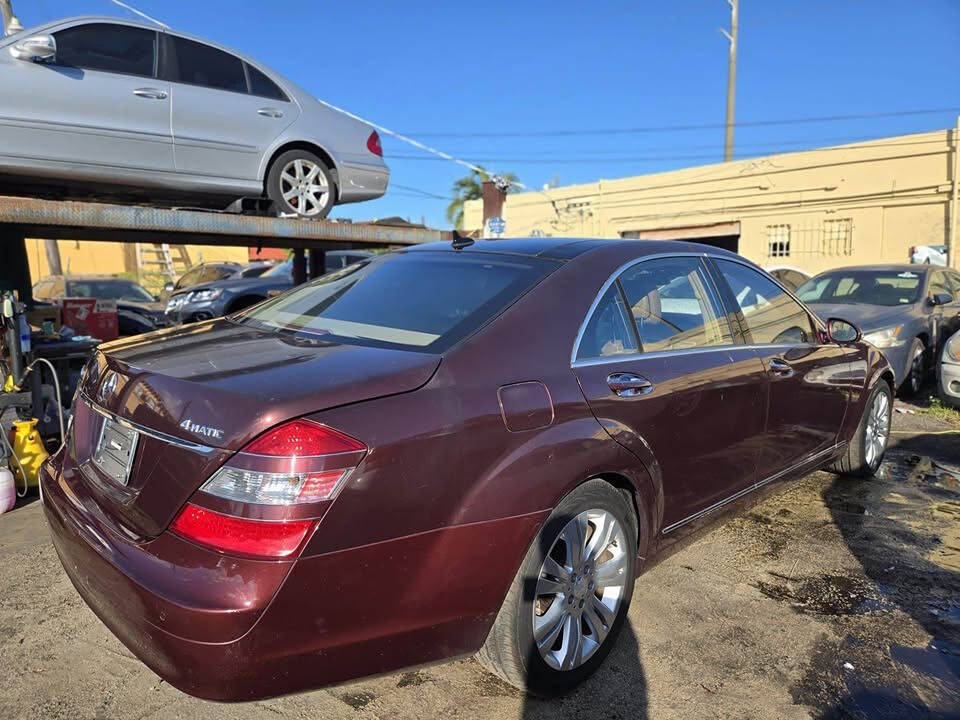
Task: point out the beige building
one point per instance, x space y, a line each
847 205
112 258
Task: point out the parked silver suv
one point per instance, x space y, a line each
124 106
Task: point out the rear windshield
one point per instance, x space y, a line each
869 287
419 301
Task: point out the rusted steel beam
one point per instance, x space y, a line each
130 223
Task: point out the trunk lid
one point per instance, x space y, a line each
206 391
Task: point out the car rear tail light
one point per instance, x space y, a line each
294 465
373 144
241 535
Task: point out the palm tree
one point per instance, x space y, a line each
469 188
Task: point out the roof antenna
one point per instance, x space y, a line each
461 241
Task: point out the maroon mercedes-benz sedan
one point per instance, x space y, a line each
442 451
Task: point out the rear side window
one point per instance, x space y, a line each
108 47
419 301
263 86
674 306
771 315
198 64
609 331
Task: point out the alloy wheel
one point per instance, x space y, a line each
579 589
304 187
878 429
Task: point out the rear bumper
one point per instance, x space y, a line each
327 618
362 182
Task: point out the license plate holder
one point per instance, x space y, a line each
115 451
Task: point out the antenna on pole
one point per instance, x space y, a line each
731 79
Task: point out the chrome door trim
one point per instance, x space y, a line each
654 354
750 488
155 434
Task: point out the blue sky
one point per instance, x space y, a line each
428 69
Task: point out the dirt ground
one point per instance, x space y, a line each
834 599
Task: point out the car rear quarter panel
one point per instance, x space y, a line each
443 456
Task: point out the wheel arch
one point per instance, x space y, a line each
310 147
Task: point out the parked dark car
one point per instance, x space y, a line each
440 451
211 272
204 299
137 310
907 311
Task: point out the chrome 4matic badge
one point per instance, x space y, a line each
208 432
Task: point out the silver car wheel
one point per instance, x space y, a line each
304 187
878 429
579 589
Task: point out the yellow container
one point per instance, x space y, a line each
29 449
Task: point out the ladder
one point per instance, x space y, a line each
163 259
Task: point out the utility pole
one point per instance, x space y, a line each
731 79
953 257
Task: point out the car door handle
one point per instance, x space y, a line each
629 385
780 367
152 93
270 112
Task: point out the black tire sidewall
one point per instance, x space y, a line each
880 387
273 183
594 495
908 382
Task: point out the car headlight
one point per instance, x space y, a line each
952 348
886 338
205 295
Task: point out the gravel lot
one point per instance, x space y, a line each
833 599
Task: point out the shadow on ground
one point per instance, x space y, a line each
618 690
903 527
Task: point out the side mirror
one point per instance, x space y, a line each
940 298
168 287
843 332
35 47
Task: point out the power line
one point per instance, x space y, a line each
425 193
683 128
563 159
814 142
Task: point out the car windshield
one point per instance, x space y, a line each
421 300
284 268
867 287
108 290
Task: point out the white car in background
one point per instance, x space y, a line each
929 254
948 372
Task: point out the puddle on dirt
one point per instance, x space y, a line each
827 595
940 659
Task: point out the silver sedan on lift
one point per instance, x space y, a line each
126 108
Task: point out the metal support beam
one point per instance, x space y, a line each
317 264
77 220
299 267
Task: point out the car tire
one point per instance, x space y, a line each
294 185
918 367
511 651
863 456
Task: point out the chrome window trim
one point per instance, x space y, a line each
756 486
818 324
155 434
653 354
